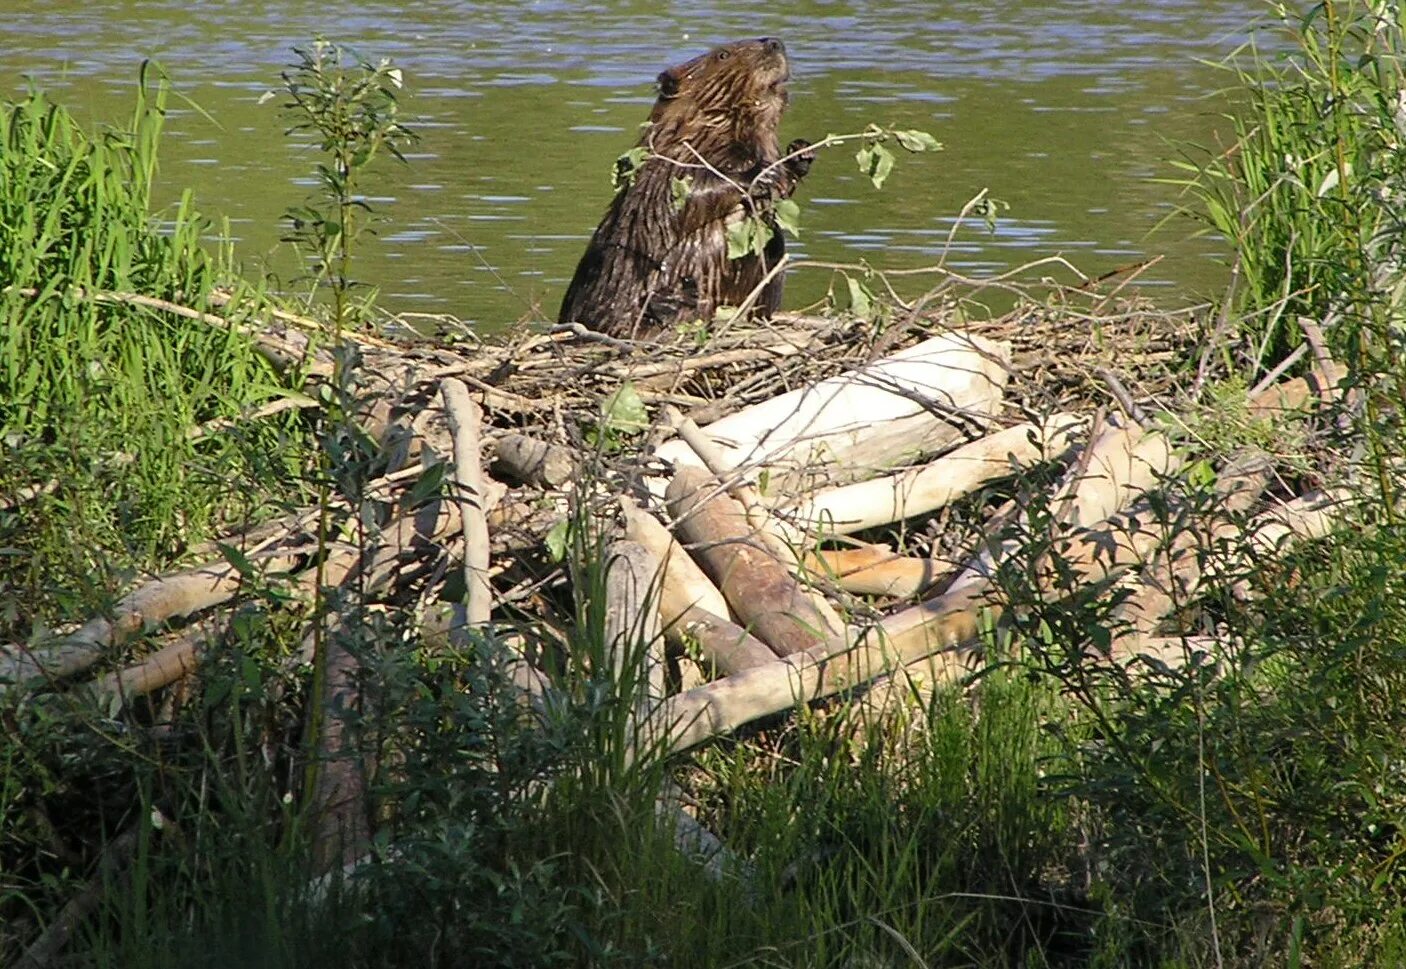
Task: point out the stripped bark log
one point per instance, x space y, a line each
1167 582
162 668
682 584
726 646
464 420
1116 469
757 586
920 491
529 460
688 719
632 637
1122 465
873 570
160 600
916 402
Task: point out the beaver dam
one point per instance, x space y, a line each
784 512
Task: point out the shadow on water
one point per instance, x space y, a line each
1063 110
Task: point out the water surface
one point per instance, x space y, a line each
1067 111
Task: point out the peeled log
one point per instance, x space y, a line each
168 597
919 491
704 712
946 628
767 601
843 429
726 645
465 419
1115 470
632 620
875 571
683 584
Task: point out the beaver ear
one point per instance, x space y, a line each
668 83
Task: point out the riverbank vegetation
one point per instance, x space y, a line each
254 713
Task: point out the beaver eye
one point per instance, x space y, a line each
724 54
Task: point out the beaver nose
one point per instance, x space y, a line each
773 45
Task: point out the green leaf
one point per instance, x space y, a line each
788 216
238 560
876 161
915 140
861 301
1201 474
626 166
558 540
747 237
624 411
681 187
426 486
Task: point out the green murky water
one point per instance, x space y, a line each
1066 110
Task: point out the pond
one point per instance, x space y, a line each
1067 111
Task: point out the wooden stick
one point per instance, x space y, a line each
683 584
1165 584
162 668
160 600
876 571
757 586
632 621
464 420
726 646
914 402
1116 469
779 540
688 719
529 460
920 491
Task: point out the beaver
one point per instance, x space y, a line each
660 255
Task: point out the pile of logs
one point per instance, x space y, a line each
748 571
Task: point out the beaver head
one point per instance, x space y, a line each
736 92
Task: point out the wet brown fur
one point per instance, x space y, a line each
650 265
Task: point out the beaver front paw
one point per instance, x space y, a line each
799 157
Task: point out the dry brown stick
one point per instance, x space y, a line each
45 949
287 402
1117 468
284 352
224 297
529 460
160 600
720 358
873 570
682 584
724 645
632 622
1292 396
758 587
1324 366
464 421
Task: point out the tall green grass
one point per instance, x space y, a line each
1309 191
96 398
